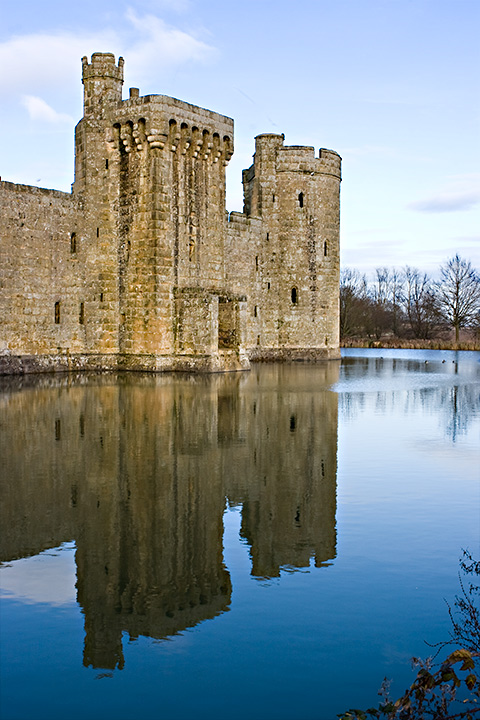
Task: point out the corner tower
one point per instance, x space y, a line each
294 309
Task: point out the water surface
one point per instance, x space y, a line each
266 545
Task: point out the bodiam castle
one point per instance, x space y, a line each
140 267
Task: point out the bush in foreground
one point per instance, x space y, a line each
449 690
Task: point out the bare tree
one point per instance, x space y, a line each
396 298
419 302
458 294
353 300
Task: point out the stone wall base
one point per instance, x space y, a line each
224 361
260 354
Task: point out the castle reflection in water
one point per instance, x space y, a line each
137 470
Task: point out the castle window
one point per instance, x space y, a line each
106 164
325 248
255 310
57 313
268 237
268 286
300 199
81 314
98 232
73 243
256 262
273 197
101 297
294 296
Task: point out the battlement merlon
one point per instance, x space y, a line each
102 81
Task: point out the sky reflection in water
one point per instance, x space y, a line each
349 494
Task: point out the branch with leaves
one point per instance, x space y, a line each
449 690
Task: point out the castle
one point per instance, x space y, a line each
140 267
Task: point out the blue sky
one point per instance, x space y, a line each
392 85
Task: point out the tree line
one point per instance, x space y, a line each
409 304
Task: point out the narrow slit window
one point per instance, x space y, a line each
300 199
81 314
73 243
325 249
255 311
98 232
101 297
106 164
294 296
256 262
57 313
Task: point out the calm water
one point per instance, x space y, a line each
265 545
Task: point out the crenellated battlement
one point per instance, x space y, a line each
160 122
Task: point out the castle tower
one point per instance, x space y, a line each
295 300
150 173
102 81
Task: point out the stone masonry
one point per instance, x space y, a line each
141 268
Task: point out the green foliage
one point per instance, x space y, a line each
449 690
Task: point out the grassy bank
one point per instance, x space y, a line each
410 344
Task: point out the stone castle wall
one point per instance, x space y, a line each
42 279
142 268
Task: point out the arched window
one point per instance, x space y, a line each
300 199
294 296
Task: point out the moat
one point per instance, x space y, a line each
268 544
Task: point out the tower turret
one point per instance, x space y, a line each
102 81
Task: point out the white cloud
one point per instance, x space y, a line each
38 109
32 63
447 202
461 193
35 63
158 45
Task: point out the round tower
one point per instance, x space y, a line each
102 81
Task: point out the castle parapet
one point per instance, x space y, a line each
295 158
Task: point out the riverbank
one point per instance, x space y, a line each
394 343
